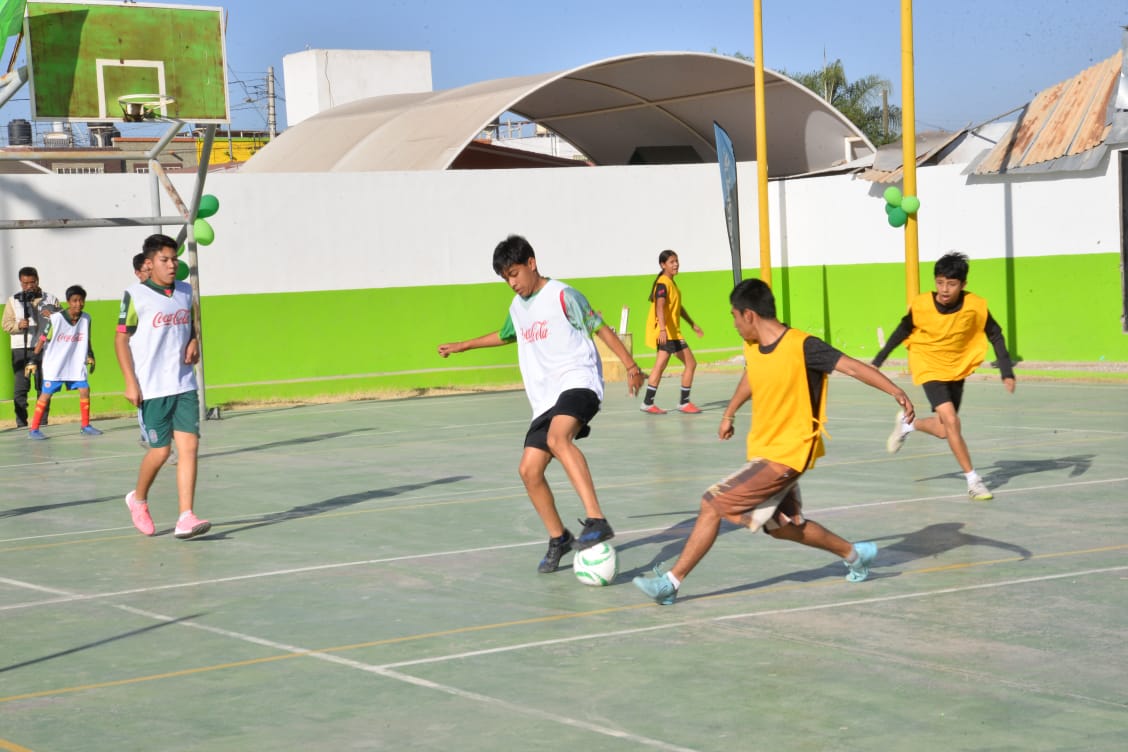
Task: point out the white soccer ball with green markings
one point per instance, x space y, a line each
596 566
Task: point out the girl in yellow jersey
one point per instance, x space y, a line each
946 333
663 332
785 375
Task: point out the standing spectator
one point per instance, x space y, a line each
23 320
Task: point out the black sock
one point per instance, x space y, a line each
650 392
685 394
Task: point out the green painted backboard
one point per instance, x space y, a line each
83 56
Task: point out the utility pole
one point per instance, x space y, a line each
271 118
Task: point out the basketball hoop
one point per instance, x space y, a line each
137 108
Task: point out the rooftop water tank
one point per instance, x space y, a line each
19 132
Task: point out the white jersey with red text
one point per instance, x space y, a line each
160 322
64 353
555 355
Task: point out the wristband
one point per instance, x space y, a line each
727 417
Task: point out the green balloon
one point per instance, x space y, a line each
180 251
889 208
203 232
898 217
893 195
910 204
209 205
181 270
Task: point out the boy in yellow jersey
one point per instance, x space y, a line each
944 333
786 374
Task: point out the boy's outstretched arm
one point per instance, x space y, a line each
742 394
871 376
635 376
493 339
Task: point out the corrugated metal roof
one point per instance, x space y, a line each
887 163
1064 120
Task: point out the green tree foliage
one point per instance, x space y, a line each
860 100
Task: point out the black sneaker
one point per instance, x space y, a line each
596 530
557 547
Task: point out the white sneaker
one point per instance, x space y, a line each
896 439
978 491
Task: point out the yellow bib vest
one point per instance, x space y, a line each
673 313
946 346
785 425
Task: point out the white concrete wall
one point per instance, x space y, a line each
316 80
277 233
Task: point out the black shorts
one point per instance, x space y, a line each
939 392
581 404
674 346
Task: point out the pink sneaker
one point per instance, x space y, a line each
139 510
652 409
690 408
189 526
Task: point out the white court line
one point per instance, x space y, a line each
456 552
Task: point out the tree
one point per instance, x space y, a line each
860 101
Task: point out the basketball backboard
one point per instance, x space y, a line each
82 57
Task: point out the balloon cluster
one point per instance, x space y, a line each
201 230
899 208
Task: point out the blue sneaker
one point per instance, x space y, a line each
91 431
596 530
859 570
658 587
557 547
36 434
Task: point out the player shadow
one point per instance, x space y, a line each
287 442
52 507
97 643
928 542
1003 471
321 507
672 540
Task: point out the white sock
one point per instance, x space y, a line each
673 580
852 557
907 427
183 515
972 476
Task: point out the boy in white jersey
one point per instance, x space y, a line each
67 356
156 348
553 325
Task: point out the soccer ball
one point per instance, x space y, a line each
596 566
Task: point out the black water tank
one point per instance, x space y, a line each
19 133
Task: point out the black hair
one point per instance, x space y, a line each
138 262
952 265
513 250
754 295
663 257
154 243
28 271
76 290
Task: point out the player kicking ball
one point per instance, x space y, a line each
552 324
785 374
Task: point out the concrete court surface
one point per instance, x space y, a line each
370 584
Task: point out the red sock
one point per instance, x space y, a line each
40 407
84 409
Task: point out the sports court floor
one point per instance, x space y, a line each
370 584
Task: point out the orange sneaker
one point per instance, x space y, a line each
689 407
652 409
139 511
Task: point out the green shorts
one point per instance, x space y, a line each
163 415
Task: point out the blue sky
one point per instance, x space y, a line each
974 59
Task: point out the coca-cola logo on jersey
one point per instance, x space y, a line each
76 337
180 318
539 330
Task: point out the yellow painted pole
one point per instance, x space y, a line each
762 146
908 141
